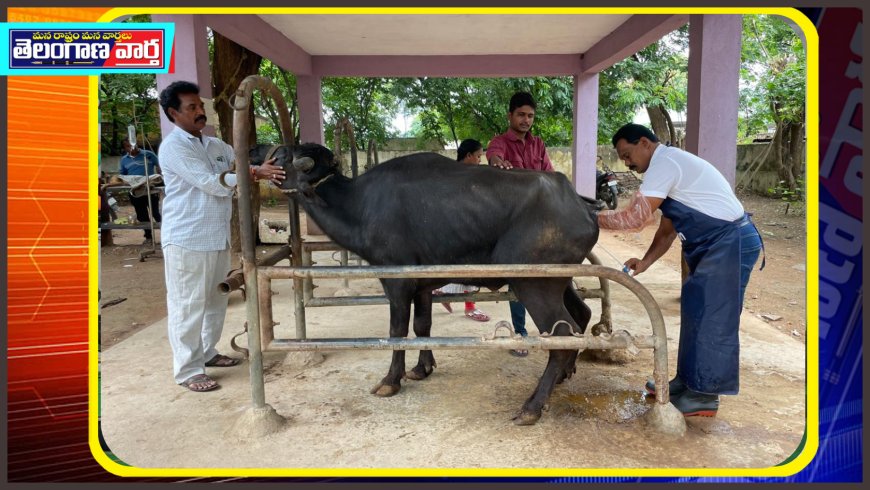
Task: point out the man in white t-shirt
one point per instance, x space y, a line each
720 245
196 234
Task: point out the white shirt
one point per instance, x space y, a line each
196 208
692 181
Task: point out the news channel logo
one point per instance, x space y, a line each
85 48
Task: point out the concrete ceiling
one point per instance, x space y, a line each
465 34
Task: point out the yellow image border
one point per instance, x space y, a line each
811 436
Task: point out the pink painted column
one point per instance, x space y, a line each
585 149
191 61
714 75
310 103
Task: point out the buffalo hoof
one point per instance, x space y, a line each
419 373
384 390
526 418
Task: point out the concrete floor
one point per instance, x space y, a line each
458 421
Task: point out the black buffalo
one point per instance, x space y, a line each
426 209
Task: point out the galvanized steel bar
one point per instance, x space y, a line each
267 323
605 295
307 284
444 271
313 302
241 103
237 278
466 343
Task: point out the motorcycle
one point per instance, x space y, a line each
607 187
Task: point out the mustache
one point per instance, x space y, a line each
204 119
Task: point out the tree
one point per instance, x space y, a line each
654 78
368 103
124 100
270 132
773 72
128 99
453 109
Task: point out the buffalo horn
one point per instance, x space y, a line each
303 164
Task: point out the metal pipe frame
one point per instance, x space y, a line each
658 340
241 103
604 325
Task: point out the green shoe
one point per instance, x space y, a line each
694 404
675 387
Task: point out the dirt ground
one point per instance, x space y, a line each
460 417
778 291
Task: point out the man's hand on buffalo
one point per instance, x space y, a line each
270 171
497 161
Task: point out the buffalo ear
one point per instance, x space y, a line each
303 164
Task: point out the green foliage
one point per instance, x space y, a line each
453 109
655 76
127 99
782 191
268 120
369 104
448 110
773 76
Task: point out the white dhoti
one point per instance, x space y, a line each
195 307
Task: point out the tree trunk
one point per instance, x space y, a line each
780 152
231 64
659 121
795 151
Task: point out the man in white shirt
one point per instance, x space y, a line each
195 234
720 245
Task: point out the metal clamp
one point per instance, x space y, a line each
553 329
503 325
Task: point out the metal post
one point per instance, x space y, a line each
344 259
605 323
241 103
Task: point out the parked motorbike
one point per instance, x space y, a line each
607 187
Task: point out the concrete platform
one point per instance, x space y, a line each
460 417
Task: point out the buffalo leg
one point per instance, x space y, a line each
544 299
400 294
422 327
581 314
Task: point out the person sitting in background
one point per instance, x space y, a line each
133 163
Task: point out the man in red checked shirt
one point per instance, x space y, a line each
517 148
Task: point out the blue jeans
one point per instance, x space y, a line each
750 248
518 317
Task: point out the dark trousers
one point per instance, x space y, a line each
140 204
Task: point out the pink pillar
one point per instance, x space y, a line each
585 148
714 74
191 61
310 103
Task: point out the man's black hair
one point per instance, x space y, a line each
467 147
169 95
632 133
520 99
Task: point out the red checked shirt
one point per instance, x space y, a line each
530 154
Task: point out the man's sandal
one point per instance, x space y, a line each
221 360
200 383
